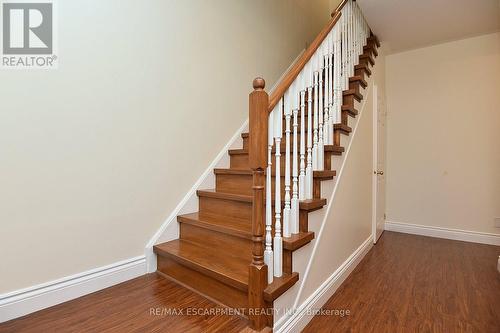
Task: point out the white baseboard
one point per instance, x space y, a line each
301 317
448 233
22 302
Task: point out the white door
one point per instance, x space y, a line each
379 131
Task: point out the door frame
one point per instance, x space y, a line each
375 111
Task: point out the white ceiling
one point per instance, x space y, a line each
408 24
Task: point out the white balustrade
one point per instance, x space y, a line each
315 99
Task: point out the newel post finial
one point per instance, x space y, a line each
259 83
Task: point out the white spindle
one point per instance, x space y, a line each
286 210
315 152
268 251
321 147
351 39
302 173
278 241
326 134
344 49
330 96
309 170
337 72
294 209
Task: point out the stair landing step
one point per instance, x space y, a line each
214 262
221 265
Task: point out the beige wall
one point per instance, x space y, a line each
443 156
95 155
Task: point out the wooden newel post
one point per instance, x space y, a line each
258 123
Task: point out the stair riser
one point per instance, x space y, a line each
240 161
237 209
349 100
364 61
209 237
242 184
356 85
369 49
202 283
225 208
362 72
345 117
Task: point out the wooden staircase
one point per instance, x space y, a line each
214 250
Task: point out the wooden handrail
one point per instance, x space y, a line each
300 64
339 7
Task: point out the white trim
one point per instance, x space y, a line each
300 317
191 194
24 301
448 233
375 163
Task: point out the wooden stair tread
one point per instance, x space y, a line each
374 38
350 109
368 57
343 128
279 286
211 261
358 78
296 241
364 67
328 148
371 49
233 226
308 204
212 193
353 92
323 174
241 228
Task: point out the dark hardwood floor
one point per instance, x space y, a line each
410 283
405 283
138 305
